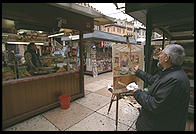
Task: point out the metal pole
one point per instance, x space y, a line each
163 42
148 43
81 71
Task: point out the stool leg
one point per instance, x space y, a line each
112 99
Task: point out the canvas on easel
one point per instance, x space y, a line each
124 57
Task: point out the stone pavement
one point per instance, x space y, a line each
85 114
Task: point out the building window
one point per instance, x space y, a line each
108 29
118 30
94 27
113 29
97 27
100 28
129 29
123 30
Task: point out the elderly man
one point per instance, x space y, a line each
165 104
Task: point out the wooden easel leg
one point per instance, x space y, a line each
117 98
112 99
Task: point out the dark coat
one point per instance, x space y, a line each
165 104
35 59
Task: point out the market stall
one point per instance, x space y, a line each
98 50
188 67
178 27
98 57
25 95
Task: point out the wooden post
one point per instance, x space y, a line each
81 71
147 51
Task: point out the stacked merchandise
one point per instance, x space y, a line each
23 72
8 73
104 57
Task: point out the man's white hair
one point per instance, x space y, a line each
176 54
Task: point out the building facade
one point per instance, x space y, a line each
140 32
133 28
129 28
120 27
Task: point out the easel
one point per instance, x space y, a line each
119 87
118 93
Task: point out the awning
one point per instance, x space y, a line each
175 20
52 16
140 39
102 36
99 19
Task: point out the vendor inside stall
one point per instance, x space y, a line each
47 50
32 59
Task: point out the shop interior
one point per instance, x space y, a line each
54 55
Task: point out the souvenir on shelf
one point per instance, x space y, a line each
8 73
74 52
23 72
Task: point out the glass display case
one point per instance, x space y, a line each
14 65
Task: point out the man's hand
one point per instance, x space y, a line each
135 68
133 91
